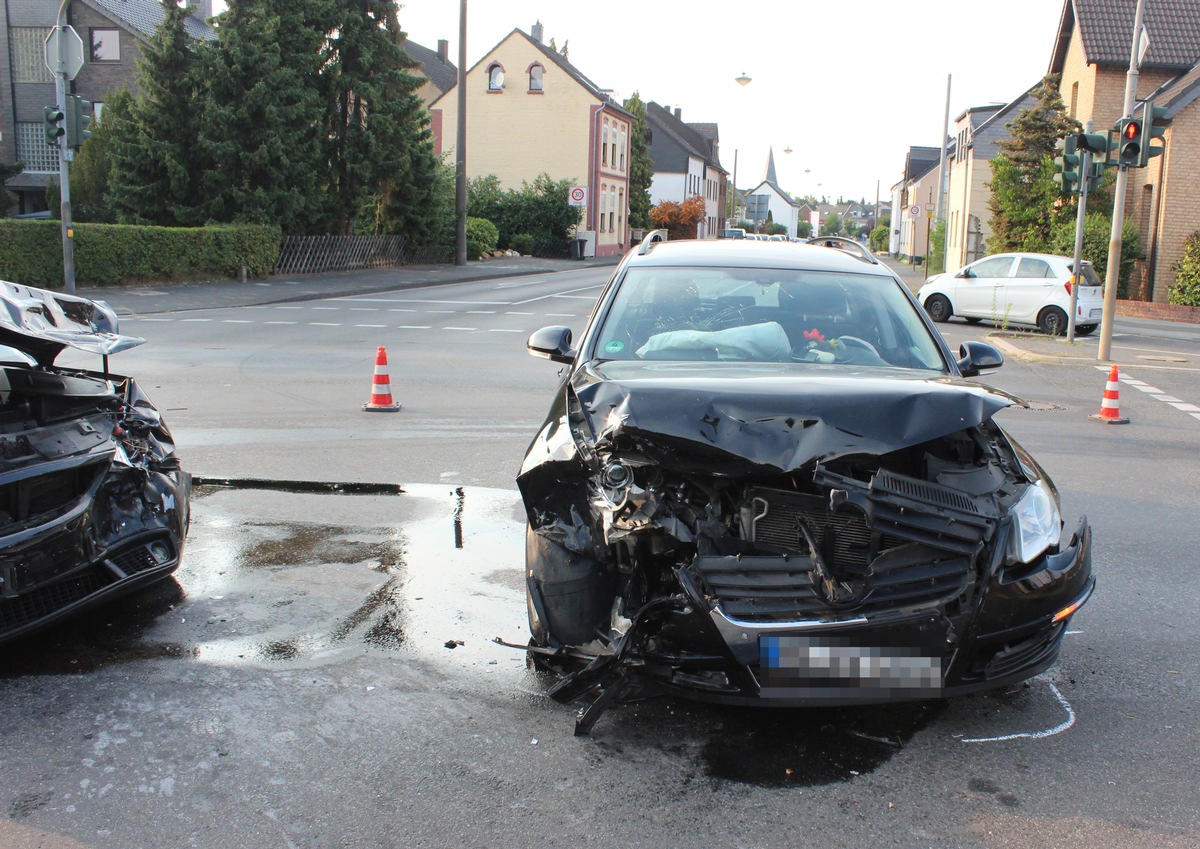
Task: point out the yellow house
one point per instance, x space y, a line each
530 111
435 66
1091 53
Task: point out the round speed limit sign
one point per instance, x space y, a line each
914 211
578 195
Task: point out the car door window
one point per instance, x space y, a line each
996 266
1031 267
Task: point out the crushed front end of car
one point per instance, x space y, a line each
759 532
93 502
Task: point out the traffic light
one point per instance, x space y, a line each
79 118
1068 165
54 125
1095 176
1129 142
1094 142
1152 130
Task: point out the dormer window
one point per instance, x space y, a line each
495 77
535 77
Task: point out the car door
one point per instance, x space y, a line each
1031 287
979 288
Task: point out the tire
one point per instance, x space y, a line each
938 307
1052 321
1085 329
568 596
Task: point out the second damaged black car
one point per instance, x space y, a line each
764 478
93 502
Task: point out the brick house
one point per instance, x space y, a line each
530 111
1091 52
112 31
686 164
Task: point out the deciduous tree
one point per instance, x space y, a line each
680 220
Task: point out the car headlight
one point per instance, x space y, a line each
1036 524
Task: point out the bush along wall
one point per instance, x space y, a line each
109 254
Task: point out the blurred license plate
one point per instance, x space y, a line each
1096 313
826 666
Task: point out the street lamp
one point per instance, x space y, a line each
743 79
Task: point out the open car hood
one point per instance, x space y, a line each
731 418
42 323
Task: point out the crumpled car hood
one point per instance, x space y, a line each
723 417
42 323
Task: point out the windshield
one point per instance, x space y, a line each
764 315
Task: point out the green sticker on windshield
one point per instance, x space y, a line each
614 347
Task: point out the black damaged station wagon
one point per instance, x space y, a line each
765 479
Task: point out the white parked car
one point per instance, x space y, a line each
1017 288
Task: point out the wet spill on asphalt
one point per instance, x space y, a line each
433 574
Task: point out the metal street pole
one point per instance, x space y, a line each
64 157
1118 217
460 144
1085 167
942 176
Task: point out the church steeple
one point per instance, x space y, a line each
769 176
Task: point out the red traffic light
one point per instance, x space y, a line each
1132 130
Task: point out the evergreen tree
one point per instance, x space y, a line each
91 172
378 128
1025 203
156 162
641 167
263 116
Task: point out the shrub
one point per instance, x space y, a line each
1186 289
522 243
482 237
108 254
879 238
1097 230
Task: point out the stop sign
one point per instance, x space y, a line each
64 52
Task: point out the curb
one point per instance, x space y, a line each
1018 353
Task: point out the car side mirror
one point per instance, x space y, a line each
974 357
966 272
552 343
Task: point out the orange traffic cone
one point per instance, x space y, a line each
1109 410
381 390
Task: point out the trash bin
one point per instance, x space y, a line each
577 248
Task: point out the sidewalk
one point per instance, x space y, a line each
222 294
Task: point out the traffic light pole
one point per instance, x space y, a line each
64 158
1118 216
1085 168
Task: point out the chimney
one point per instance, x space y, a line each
201 10
444 51
679 112
538 32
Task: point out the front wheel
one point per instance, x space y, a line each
938 307
1052 321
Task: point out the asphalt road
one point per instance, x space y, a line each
295 685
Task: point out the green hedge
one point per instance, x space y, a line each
108 254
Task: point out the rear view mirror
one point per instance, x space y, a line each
553 343
974 357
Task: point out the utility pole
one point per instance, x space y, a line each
1118 217
1085 170
65 154
460 144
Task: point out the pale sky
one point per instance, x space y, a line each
849 86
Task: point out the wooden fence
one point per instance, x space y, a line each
311 254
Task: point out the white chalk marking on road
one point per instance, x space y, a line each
1034 735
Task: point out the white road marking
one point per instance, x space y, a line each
560 315
503 330
322 324
370 325
195 319
510 312
1034 735
481 312
413 327
460 328
237 321
280 322
423 301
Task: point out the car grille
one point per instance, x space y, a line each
31 606
772 588
44 497
887 572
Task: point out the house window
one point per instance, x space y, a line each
535 77
106 45
495 77
612 206
603 207
32 149
621 209
29 55
604 147
1074 98
622 148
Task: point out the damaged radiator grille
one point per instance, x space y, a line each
784 588
43 496
43 601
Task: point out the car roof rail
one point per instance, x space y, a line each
652 238
848 246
